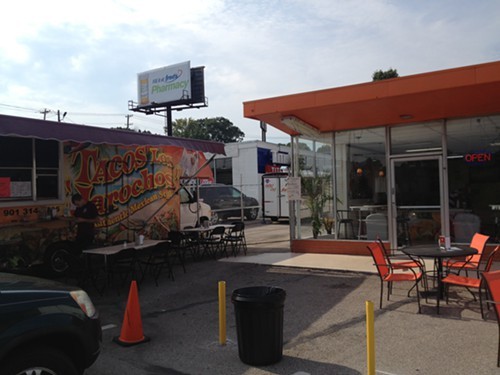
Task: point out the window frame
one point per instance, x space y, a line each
48 169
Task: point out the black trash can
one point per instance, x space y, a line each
259 324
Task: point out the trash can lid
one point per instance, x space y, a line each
263 294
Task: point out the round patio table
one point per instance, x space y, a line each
437 253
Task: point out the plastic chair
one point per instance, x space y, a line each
468 282
492 281
236 238
478 242
387 274
465 225
376 226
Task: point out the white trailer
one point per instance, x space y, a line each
274 196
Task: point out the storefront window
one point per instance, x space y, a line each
416 138
28 168
361 184
315 170
474 177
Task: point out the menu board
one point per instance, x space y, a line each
20 188
293 189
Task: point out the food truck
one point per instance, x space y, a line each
134 179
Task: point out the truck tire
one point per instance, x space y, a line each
56 257
40 360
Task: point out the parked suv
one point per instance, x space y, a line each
46 327
226 201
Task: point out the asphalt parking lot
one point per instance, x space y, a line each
324 324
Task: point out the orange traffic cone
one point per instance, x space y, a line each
131 333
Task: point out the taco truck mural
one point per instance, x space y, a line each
133 178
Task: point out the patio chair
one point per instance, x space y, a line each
155 259
376 226
214 243
123 265
387 274
192 242
343 219
478 242
179 245
404 262
236 238
468 283
492 281
465 225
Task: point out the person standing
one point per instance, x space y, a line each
86 217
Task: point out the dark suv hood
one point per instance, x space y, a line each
11 281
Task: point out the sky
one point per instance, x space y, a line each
83 58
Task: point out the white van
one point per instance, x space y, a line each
192 210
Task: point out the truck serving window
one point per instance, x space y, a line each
29 169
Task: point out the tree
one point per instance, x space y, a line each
217 129
379 75
132 130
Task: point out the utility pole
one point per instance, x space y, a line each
128 121
59 119
44 112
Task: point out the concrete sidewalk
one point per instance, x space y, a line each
351 263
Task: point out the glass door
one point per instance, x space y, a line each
416 200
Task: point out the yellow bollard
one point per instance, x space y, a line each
222 312
370 339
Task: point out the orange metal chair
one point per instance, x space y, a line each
468 282
472 262
492 280
387 274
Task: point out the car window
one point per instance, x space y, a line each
207 193
185 196
235 193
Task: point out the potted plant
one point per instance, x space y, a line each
316 192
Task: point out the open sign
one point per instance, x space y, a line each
478 157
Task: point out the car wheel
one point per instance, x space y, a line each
252 213
215 218
40 361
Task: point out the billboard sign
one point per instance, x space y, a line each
164 85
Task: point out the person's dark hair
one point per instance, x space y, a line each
75 198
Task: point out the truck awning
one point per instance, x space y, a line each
59 131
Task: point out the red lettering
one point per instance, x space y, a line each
100 174
128 162
88 160
141 157
137 187
478 157
115 168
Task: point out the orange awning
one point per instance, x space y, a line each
461 92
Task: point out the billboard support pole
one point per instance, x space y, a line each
169 120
